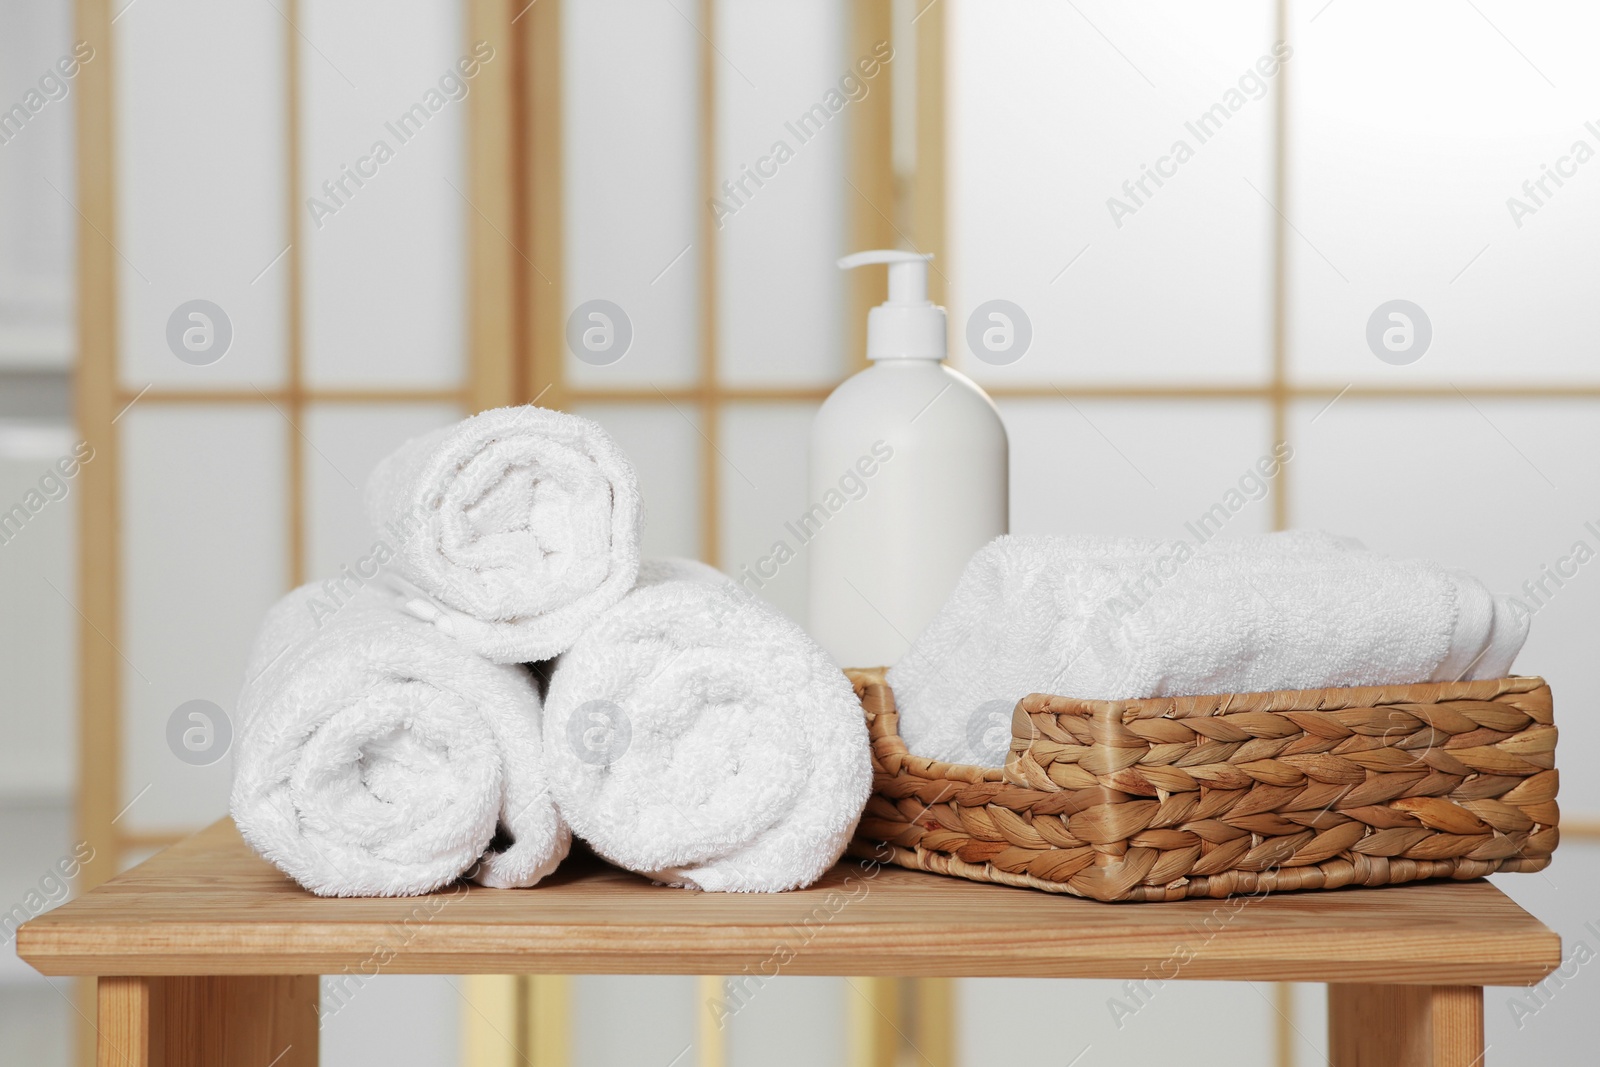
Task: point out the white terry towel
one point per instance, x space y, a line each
1099 619
378 757
521 526
700 738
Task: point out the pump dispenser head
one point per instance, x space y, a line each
907 325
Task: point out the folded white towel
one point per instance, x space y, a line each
700 738
521 526
1099 619
377 757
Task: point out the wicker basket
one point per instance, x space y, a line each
1213 796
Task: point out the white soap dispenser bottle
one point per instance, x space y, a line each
908 478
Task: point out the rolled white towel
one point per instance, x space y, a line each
520 525
377 757
1076 617
700 738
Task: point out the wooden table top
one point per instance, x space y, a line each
208 905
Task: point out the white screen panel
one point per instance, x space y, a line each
396 1019
130 858
37 225
38 1018
38 644
1407 165
200 128
344 443
632 195
203 557
1052 108
763 467
33 837
1414 479
781 81
1130 1024
661 1019
1308 1011
382 181
1140 469
664 443
787 1021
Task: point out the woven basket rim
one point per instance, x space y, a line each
1333 698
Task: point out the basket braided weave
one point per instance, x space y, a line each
1211 796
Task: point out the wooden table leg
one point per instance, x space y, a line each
200 1022
1405 1025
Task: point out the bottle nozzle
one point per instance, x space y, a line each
907 325
908 272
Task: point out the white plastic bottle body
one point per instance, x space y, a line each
916 459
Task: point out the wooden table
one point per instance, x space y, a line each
205 954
